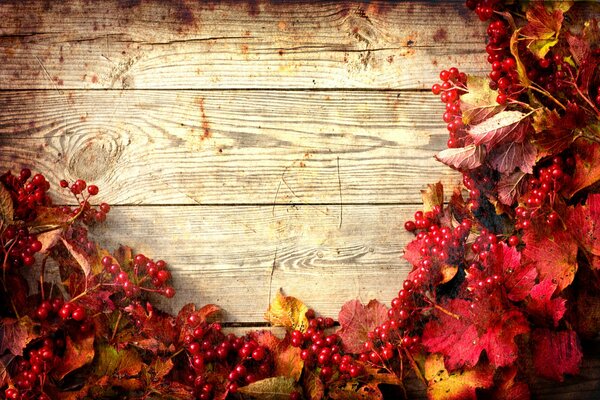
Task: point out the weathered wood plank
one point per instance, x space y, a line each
237 256
234 147
264 44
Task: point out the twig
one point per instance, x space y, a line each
415 367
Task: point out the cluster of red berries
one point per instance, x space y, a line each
483 8
322 351
538 201
89 214
31 370
19 247
208 348
133 277
452 86
26 194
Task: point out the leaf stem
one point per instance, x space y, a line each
547 94
415 367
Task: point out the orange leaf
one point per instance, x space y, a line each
460 385
77 354
289 312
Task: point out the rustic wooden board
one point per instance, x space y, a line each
237 256
231 147
230 44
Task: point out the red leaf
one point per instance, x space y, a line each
482 325
554 256
584 223
158 327
508 389
77 354
313 385
510 187
357 320
82 259
519 277
15 335
411 251
542 29
507 126
543 306
556 353
286 358
587 166
469 157
506 158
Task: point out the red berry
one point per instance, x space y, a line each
78 314
93 190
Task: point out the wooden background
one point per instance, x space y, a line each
253 145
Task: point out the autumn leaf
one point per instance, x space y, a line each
554 256
541 304
509 156
507 126
16 334
354 391
460 385
357 320
159 368
518 277
468 328
287 311
7 211
78 353
158 327
5 361
510 187
82 259
286 358
49 239
479 103
276 388
462 158
542 29
587 166
554 133
432 196
514 50
584 223
556 353
507 388
112 362
313 385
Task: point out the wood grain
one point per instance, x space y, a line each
232 147
239 256
230 44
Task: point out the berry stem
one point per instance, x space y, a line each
535 87
414 366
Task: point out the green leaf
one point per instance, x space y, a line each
111 361
276 388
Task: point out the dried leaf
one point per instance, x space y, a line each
49 239
460 385
78 353
541 304
357 320
112 362
509 156
81 258
507 388
15 334
159 368
584 224
510 187
289 312
556 353
542 29
514 50
286 358
479 103
276 388
7 211
432 196
507 126
462 158
587 166
352 391
313 385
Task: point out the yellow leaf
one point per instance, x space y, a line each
462 384
514 49
276 388
289 312
432 196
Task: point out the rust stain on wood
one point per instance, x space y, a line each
441 35
205 125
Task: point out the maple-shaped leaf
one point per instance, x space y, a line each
432 196
462 158
541 304
507 126
479 103
276 388
160 328
287 311
78 352
286 358
411 251
7 211
473 327
584 224
518 277
510 187
159 368
556 353
507 388
112 362
509 156
554 133
460 385
514 50
16 334
554 256
542 29
357 320
587 166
